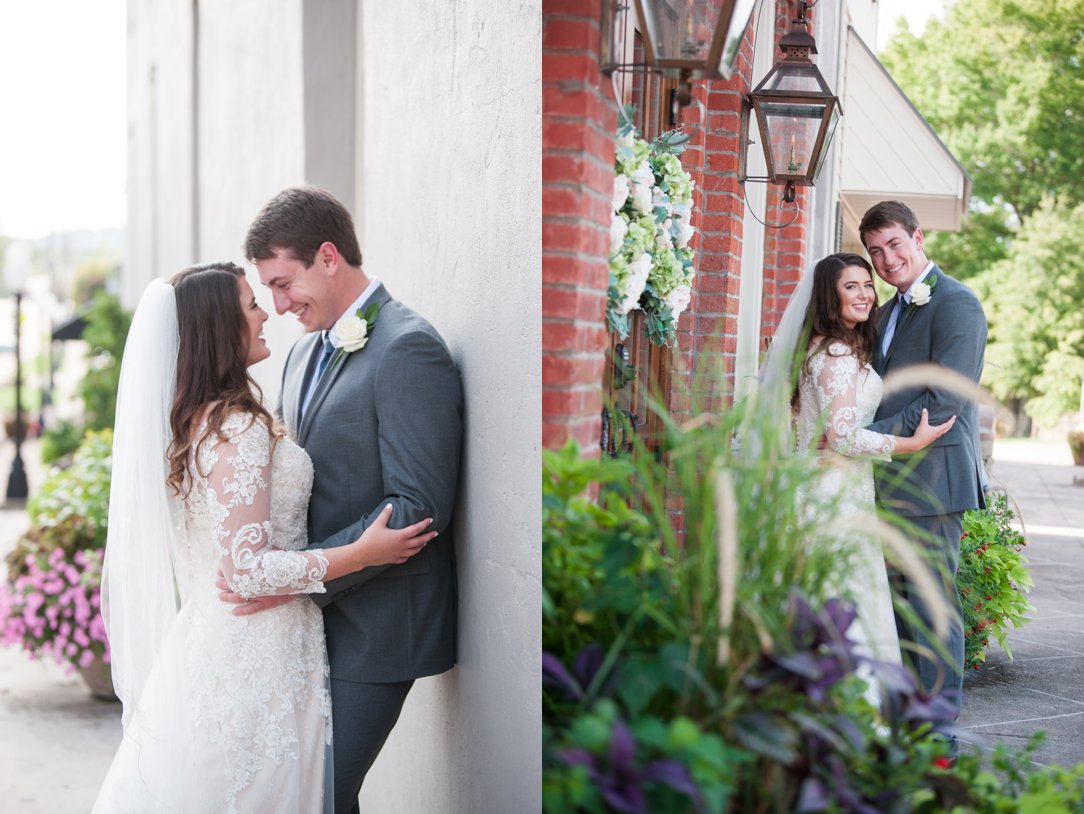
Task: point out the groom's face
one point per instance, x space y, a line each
301 290
897 256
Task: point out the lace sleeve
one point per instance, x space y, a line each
239 486
837 394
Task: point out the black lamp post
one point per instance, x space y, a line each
796 114
17 485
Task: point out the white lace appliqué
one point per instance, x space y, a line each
841 395
257 676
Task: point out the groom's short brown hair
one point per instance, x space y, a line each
298 221
885 214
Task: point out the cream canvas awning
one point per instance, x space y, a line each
890 152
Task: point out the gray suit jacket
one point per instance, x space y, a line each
946 477
383 426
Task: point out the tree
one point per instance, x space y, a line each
1033 296
1002 82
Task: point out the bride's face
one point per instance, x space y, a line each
255 317
856 295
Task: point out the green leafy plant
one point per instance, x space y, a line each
695 658
106 332
50 604
993 579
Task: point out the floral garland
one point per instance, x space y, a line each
651 262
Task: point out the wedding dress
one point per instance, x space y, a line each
837 398
235 715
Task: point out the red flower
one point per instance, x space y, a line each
945 762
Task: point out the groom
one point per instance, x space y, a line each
381 417
932 319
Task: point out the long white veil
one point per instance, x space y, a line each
139 595
777 372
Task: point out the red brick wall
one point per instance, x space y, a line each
578 122
707 342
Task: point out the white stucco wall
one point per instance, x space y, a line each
445 174
451 184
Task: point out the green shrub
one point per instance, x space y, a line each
993 579
60 441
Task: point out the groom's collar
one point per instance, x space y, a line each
366 295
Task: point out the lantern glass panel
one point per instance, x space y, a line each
827 140
681 29
792 135
796 79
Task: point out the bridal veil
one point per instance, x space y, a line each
139 594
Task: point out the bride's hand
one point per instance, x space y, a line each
379 545
925 434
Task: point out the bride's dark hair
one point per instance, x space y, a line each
822 316
210 363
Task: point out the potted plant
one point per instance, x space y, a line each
1076 445
50 602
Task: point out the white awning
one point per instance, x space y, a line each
890 152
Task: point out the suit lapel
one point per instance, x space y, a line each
322 387
379 296
909 316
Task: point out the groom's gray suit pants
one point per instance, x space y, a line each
362 717
941 543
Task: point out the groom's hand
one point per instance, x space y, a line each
247 607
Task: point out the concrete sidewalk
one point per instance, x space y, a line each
1042 688
56 741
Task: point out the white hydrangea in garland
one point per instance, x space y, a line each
651 263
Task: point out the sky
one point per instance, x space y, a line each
62 106
916 12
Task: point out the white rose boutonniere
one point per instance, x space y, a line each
352 331
921 292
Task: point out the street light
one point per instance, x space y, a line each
17 267
796 114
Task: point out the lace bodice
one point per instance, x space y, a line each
255 679
837 398
252 501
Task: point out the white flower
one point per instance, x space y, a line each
619 227
621 191
663 241
350 333
685 233
641 197
678 300
637 279
626 140
644 176
920 294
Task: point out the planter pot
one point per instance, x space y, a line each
99 680
1076 446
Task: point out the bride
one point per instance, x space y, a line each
221 712
836 397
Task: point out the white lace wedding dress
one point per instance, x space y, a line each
837 398
236 715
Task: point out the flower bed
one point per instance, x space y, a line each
50 604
